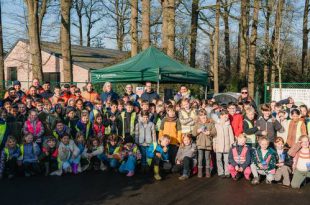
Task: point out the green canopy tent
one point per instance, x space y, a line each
150 65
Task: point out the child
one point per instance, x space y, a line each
222 143
112 151
84 125
111 119
129 154
61 129
268 126
205 131
171 126
11 153
239 159
236 119
81 144
128 120
68 154
49 155
249 128
301 166
264 162
98 128
282 118
34 127
159 154
185 158
187 117
29 155
284 163
296 128
98 109
94 154
145 136
71 119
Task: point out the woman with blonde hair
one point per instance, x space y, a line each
108 94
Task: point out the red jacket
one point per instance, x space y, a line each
236 122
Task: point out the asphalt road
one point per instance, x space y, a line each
113 188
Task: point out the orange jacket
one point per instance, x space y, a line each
90 96
172 128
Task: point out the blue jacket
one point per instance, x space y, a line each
151 151
86 130
105 95
149 96
31 152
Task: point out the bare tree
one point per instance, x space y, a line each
275 41
171 28
216 47
305 32
225 15
65 6
43 6
1 53
193 35
134 27
92 17
243 40
145 24
34 38
78 6
252 50
164 29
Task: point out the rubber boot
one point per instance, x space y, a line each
75 168
199 172
156 173
208 174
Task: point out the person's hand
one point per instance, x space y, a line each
236 167
264 133
46 153
258 127
200 130
109 156
112 118
178 162
158 155
165 149
207 132
240 169
260 166
280 164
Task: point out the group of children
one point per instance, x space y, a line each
188 137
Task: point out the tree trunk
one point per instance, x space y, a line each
267 40
193 36
42 14
305 31
171 28
134 27
145 24
34 39
79 5
276 39
216 48
2 87
65 6
243 40
252 55
164 28
226 36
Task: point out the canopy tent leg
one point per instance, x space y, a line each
158 87
206 92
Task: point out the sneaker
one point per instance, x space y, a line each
255 180
268 182
157 177
130 174
222 176
183 177
227 176
103 167
56 173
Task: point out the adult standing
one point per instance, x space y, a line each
244 97
17 87
90 94
36 84
47 91
108 94
183 93
129 91
149 94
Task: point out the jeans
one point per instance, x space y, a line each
166 165
113 163
173 150
143 150
202 153
186 166
129 165
222 168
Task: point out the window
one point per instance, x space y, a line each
12 73
53 77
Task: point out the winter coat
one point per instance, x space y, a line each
236 122
67 152
204 141
172 128
30 152
224 137
187 120
109 95
239 149
145 134
269 158
149 96
186 151
270 125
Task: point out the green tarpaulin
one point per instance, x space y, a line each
150 65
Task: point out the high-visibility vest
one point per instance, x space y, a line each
240 159
132 123
250 139
7 152
2 131
87 130
298 130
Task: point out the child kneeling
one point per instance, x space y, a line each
95 155
186 157
264 162
239 159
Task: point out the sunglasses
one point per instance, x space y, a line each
244 92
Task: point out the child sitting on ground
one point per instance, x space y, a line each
264 162
185 158
49 155
239 159
112 151
94 154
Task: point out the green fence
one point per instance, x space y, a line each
268 88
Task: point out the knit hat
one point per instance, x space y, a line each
16 82
70 109
88 104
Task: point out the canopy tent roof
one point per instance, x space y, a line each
150 65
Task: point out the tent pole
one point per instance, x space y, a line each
158 87
206 92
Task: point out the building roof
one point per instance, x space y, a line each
86 57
